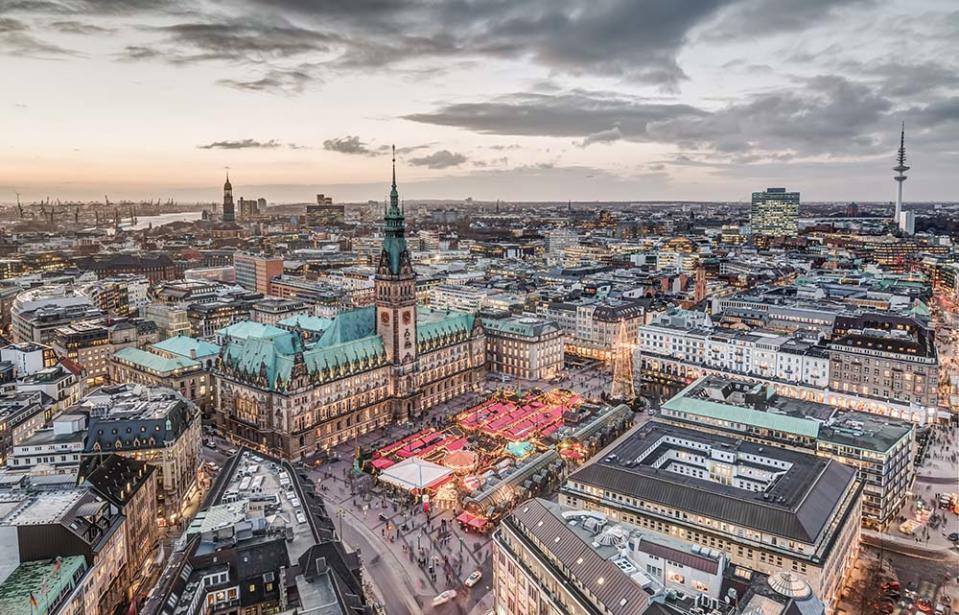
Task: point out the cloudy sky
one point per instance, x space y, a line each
512 99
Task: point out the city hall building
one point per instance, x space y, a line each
278 392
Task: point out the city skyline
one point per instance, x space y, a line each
535 101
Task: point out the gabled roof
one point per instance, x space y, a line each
433 325
368 351
314 324
349 326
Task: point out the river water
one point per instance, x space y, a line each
145 221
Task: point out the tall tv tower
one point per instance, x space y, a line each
900 170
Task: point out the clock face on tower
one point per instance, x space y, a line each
385 318
407 317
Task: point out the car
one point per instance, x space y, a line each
885 608
924 605
889 585
473 579
444 597
954 537
209 444
893 595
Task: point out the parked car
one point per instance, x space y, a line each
886 586
444 597
954 537
473 579
924 605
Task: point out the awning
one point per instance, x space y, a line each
382 463
415 474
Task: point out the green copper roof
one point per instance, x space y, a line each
350 325
343 359
154 362
248 328
38 578
348 345
185 345
314 324
434 326
261 360
744 416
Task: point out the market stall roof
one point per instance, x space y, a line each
415 473
382 463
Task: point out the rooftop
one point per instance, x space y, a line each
187 346
593 567
44 580
782 492
738 405
153 362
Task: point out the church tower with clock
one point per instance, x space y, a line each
395 297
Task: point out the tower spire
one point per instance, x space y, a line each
900 176
394 166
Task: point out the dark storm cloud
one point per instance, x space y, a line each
763 17
90 7
289 81
348 145
442 159
637 40
8 25
77 27
603 136
825 115
17 40
241 144
909 80
241 41
572 114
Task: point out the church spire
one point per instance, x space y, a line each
394 195
394 228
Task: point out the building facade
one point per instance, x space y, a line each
592 327
768 509
881 449
775 213
255 272
524 347
153 425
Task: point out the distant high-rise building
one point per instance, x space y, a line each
324 213
249 208
229 214
775 212
254 272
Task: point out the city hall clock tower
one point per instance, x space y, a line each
395 294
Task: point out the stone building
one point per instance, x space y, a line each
373 366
